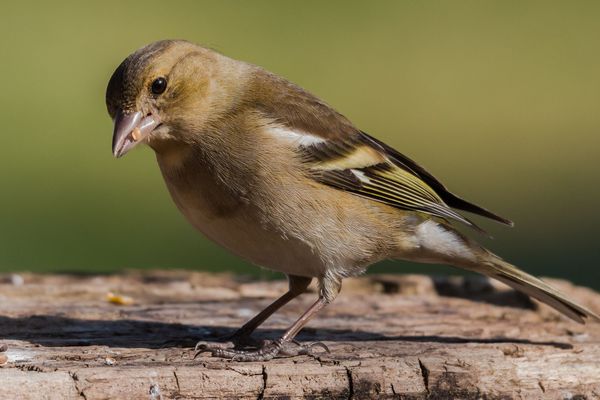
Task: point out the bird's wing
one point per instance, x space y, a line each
448 197
339 155
367 168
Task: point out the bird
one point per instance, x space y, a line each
281 179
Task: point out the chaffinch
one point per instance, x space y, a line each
278 177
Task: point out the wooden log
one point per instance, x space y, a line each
390 336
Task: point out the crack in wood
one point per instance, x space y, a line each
261 393
424 374
177 381
350 383
75 379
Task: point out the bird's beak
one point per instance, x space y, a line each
130 129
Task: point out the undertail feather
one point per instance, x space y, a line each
441 243
536 288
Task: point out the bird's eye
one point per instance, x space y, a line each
159 85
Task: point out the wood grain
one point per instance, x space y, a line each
409 337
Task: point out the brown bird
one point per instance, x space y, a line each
278 177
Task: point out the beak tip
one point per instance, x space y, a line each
130 130
124 124
117 150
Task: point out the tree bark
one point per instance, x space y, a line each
390 336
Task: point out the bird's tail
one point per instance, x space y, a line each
440 243
494 267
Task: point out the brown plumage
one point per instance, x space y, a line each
278 177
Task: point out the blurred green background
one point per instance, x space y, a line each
498 99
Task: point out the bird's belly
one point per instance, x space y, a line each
237 227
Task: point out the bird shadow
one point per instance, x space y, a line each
60 331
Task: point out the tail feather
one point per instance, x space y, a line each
534 287
439 242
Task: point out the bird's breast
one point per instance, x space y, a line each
231 221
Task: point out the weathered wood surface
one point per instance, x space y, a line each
390 337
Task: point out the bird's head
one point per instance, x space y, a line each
163 92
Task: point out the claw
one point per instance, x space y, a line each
200 345
204 347
319 344
197 353
305 349
201 348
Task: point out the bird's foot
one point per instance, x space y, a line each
267 351
238 340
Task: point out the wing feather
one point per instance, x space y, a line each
360 165
449 198
339 155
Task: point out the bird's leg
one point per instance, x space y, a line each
297 286
286 344
270 349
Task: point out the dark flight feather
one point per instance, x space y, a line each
449 198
